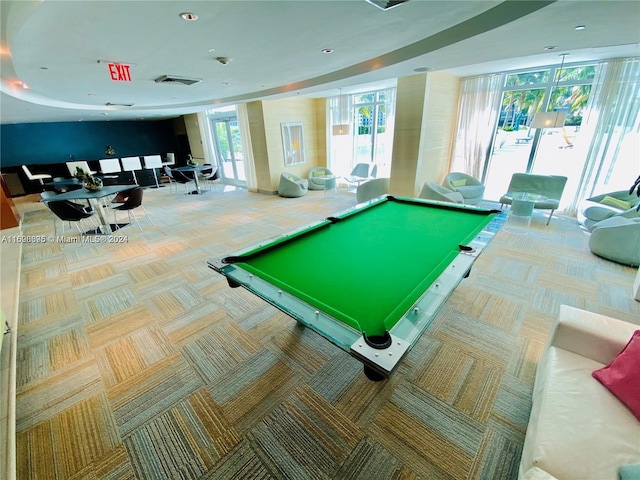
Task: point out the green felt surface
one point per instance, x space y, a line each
369 268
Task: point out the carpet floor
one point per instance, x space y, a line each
137 361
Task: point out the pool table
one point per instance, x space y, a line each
369 279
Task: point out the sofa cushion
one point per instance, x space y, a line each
616 202
622 376
577 428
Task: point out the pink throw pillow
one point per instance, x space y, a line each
622 375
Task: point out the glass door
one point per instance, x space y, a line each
229 150
518 147
372 142
514 137
561 151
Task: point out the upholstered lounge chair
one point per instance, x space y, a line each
549 186
607 205
292 186
433 191
471 189
315 182
361 173
617 239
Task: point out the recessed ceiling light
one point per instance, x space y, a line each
190 17
551 47
580 27
44 68
421 69
327 50
224 84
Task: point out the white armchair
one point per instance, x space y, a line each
292 186
433 191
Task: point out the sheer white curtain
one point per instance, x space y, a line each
479 107
612 121
247 149
340 144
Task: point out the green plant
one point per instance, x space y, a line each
88 180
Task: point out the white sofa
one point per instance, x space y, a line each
578 429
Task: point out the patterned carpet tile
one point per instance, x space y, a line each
336 377
513 403
499 454
100 306
55 303
297 348
253 389
220 351
130 355
467 383
479 339
193 324
184 442
369 460
91 274
149 393
82 434
119 325
51 395
304 426
241 464
44 274
114 465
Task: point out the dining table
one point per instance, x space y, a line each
196 169
96 200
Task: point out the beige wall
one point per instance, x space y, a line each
426 113
195 139
265 118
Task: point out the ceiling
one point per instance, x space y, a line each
55 55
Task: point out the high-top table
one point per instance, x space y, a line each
95 199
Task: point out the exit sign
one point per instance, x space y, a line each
119 72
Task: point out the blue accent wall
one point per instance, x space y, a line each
48 143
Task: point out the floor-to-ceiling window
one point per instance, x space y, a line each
518 147
371 136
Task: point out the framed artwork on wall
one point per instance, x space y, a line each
293 143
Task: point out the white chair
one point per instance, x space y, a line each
41 177
109 165
131 164
171 159
72 166
433 191
361 173
151 162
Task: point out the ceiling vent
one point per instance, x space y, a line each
386 4
173 79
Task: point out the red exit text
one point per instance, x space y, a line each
119 72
